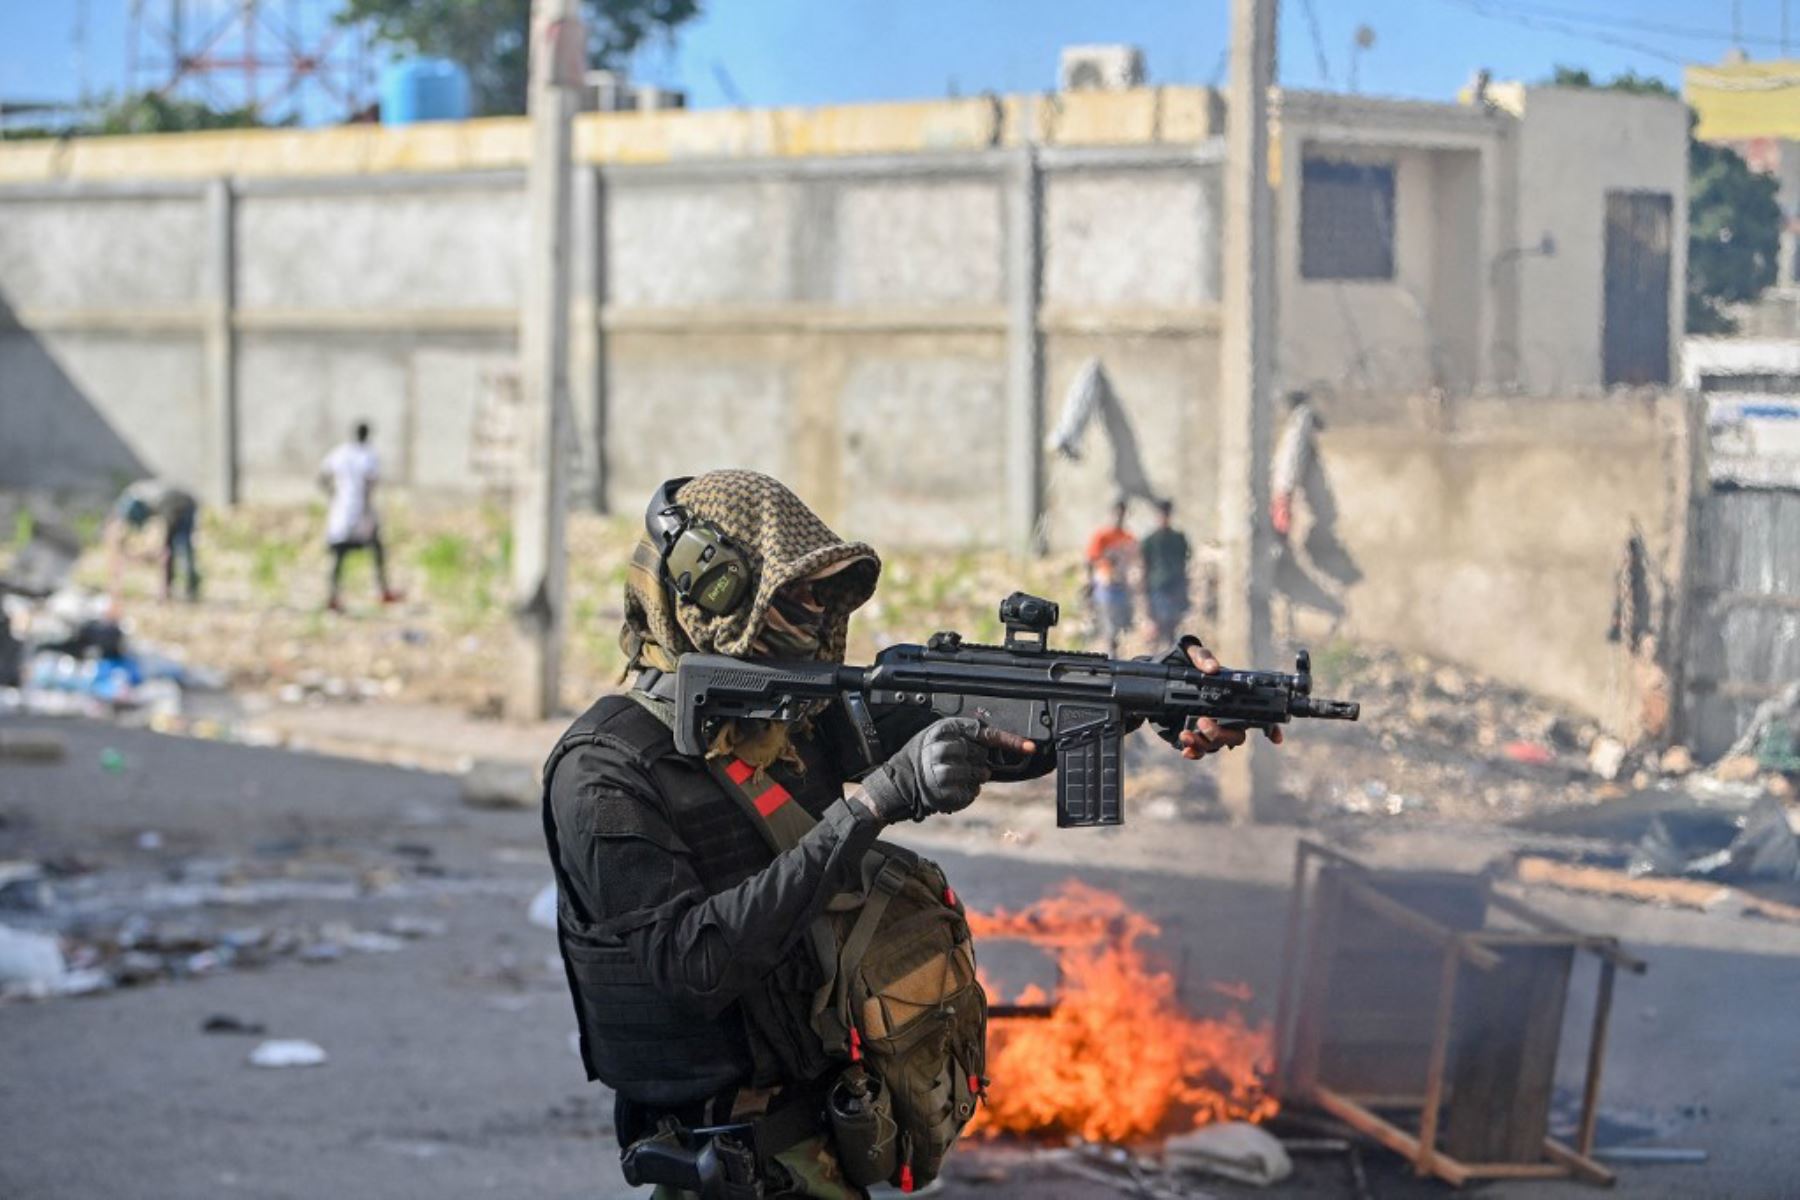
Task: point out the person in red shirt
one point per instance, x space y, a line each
1112 557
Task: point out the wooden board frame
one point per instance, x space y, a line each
1309 939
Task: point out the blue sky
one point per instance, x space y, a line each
778 52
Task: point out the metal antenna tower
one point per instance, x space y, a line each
288 60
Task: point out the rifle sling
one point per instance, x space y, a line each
783 823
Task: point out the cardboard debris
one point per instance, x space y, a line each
1681 893
30 746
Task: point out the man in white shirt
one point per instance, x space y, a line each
350 473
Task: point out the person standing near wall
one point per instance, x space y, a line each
350 473
1112 555
179 513
1313 568
1166 553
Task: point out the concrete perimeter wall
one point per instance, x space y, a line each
889 331
1489 529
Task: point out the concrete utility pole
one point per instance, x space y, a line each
540 489
1025 345
1247 776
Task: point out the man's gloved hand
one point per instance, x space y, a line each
939 770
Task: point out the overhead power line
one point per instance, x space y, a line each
1318 40
1629 24
1482 8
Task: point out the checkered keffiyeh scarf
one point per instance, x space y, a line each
785 542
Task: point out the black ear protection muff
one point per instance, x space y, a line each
700 563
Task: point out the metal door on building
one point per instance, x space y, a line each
1744 636
1635 323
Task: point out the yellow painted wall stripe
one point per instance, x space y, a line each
1144 116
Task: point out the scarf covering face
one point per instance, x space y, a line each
784 541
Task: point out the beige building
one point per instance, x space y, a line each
1529 239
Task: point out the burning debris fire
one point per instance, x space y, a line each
1116 1058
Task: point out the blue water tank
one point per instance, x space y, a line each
424 89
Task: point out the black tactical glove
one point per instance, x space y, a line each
939 770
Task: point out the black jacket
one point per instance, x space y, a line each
682 931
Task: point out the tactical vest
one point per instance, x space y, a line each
633 1038
884 982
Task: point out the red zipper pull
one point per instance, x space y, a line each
855 1045
906 1178
949 896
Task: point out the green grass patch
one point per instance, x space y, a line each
270 562
1337 662
446 559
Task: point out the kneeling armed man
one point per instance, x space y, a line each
784 1005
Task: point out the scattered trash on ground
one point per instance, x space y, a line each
226 1023
1676 893
1650 1155
1234 1149
1753 846
23 887
1772 738
363 941
543 907
1532 754
413 928
65 650
30 963
1676 760
491 783
287 1052
134 928
31 746
1606 757
1121 1170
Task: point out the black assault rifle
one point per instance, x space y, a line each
1080 704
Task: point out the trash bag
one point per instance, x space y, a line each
29 962
542 912
1766 849
1756 846
1233 1149
12 654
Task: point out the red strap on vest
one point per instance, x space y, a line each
740 772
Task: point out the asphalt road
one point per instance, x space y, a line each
451 1072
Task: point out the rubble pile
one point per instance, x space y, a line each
1441 741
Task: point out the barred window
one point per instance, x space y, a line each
1346 220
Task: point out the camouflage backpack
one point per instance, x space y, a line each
900 1004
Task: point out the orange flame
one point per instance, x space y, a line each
1117 1059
